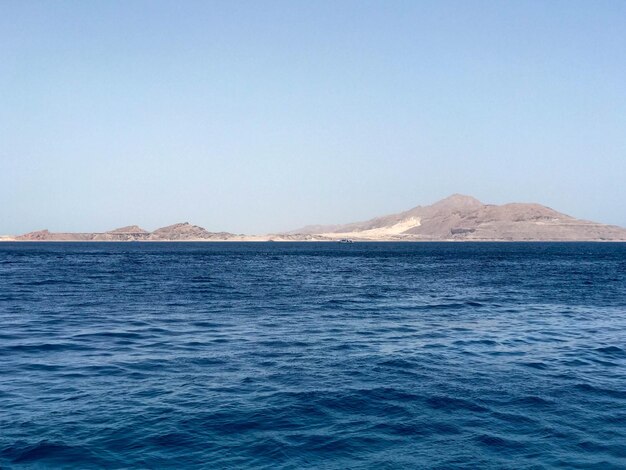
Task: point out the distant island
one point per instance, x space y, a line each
456 218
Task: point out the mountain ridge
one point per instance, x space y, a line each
455 218
460 217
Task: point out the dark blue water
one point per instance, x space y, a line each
313 355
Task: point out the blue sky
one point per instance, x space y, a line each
257 116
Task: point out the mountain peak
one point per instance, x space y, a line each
128 229
458 200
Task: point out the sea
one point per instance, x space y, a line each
313 355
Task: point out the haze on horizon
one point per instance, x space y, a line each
254 117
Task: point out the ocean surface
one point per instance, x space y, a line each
313 355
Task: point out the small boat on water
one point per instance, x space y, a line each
345 240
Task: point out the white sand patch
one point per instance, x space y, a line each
380 232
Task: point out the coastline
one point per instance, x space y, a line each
270 240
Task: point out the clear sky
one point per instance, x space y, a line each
257 116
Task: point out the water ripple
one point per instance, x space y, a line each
312 355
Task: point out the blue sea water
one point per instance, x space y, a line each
313 355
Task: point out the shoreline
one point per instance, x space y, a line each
312 241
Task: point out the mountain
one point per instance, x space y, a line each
186 232
176 232
131 229
457 217
45 235
460 217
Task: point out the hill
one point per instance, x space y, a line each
461 217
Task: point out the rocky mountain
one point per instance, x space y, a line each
186 231
133 229
460 217
45 235
457 217
176 232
